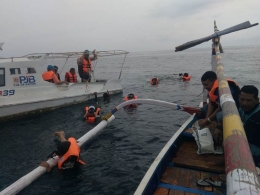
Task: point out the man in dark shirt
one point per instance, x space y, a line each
249 112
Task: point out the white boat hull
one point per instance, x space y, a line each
53 97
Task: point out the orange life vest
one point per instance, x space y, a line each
91 118
156 82
73 150
212 95
86 64
184 78
72 78
48 76
131 105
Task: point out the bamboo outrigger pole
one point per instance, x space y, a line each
241 174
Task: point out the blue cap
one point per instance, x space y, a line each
50 67
86 51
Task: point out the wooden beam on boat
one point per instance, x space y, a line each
241 175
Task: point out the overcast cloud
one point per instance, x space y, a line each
30 26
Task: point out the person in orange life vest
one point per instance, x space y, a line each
130 96
68 152
186 77
212 110
56 71
91 113
51 77
85 65
71 76
154 81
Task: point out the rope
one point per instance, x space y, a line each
122 67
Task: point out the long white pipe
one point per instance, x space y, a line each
150 101
144 101
33 175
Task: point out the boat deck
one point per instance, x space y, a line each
181 176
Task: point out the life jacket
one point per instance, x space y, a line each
47 76
73 150
72 78
91 118
86 64
131 105
214 97
156 82
184 78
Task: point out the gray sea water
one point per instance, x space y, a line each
119 157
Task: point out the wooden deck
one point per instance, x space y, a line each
187 157
188 167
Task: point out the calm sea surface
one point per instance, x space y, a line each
119 157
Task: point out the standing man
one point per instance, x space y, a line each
71 76
249 112
85 65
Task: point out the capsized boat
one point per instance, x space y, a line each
178 168
23 91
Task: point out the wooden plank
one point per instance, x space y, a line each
171 175
184 178
194 177
204 175
176 192
187 157
161 191
198 165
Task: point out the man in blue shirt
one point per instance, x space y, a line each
249 112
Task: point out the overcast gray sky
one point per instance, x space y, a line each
30 26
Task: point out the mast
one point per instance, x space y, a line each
241 175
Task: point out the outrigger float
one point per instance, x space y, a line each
23 91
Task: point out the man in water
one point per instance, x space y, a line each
106 97
68 152
249 112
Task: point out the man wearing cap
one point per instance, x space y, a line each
51 77
85 65
56 72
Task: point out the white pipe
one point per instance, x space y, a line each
33 175
150 101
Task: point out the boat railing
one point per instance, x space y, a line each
52 55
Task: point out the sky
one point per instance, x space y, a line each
34 26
